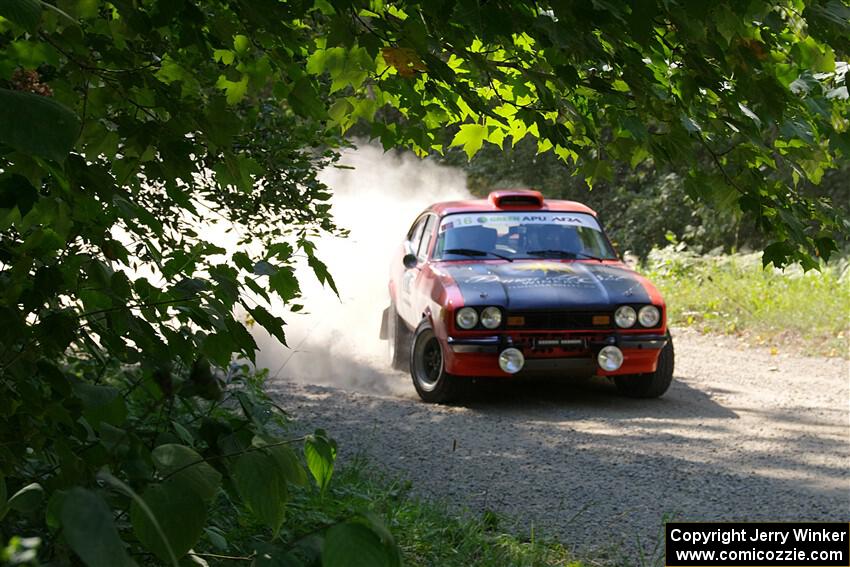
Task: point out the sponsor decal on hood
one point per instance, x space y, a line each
547 284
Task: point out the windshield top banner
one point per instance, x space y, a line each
518 219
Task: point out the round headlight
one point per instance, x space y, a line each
511 360
625 317
491 317
649 316
467 318
610 358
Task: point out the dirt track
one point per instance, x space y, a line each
742 434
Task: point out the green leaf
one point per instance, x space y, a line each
25 13
179 510
321 271
777 254
284 283
288 462
234 90
16 191
263 268
27 498
280 250
53 511
217 538
184 434
3 496
101 403
320 452
218 347
183 462
223 56
272 324
471 137
356 544
241 44
305 100
37 125
89 529
261 483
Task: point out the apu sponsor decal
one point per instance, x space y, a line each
516 219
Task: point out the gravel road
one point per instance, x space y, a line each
743 434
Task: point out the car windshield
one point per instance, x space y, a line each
539 234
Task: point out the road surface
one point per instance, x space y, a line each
743 434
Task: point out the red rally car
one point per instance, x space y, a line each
516 285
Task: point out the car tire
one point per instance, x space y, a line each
428 370
653 384
398 341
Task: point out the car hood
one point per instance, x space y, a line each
547 284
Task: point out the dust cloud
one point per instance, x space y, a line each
335 340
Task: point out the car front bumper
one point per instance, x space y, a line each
572 354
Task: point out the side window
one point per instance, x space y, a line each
426 237
415 234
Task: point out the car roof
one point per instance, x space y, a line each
525 200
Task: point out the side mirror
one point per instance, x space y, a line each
409 261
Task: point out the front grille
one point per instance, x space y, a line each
560 320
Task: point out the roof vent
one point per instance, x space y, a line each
517 198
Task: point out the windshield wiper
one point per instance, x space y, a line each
563 254
472 252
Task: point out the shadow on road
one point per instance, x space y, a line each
596 396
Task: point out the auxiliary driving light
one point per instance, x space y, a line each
511 360
610 358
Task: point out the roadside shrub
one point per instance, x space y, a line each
125 465
734 294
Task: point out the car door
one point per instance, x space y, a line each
419 292
404 304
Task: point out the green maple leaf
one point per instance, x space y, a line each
471 137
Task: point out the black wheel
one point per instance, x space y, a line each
654 384
398 341
427 368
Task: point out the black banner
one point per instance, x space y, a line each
768 544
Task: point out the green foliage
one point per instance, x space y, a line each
321 454
425 532
756 91
164 503
733 294
172 520
155 190
374 549
262 485
90 530
127 127
25 13
27 498
37 125
639 206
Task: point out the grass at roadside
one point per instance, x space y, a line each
427 533
732 294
